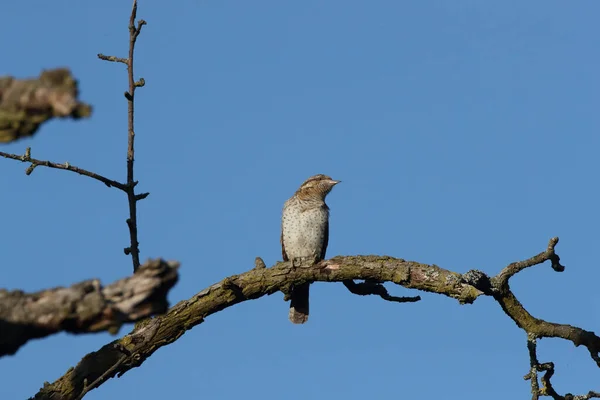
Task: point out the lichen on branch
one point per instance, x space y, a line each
119 356
27 103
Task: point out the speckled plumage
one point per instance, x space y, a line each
305 234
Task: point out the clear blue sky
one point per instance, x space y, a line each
466 134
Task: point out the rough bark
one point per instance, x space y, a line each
27 103
132 350
119 356
84 307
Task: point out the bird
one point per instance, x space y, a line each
305 234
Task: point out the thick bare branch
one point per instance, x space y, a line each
499 288
540 328
132 350
258 282
84 307
27 103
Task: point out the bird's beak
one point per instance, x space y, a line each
333 183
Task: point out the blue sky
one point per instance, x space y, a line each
465 134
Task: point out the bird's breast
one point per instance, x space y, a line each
303 231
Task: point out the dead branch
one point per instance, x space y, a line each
27 103
516 267
84 307
118 357
548 368
498 287
258 282
34 163
367 288
133 249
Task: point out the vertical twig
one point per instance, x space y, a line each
129 186
532 376
133 249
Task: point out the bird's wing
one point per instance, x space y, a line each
283 253
325 239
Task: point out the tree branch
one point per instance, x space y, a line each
548 368
84 307
540 328
133 249
27 103
376 288
499 288
260 281
250 285
516 267
26 158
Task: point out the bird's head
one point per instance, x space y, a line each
316 187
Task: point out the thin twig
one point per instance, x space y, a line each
112 58
548 368
132 197
546 255
101 378
26 158
533 363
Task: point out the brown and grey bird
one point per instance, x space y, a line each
305 234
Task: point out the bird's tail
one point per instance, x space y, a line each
299 304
